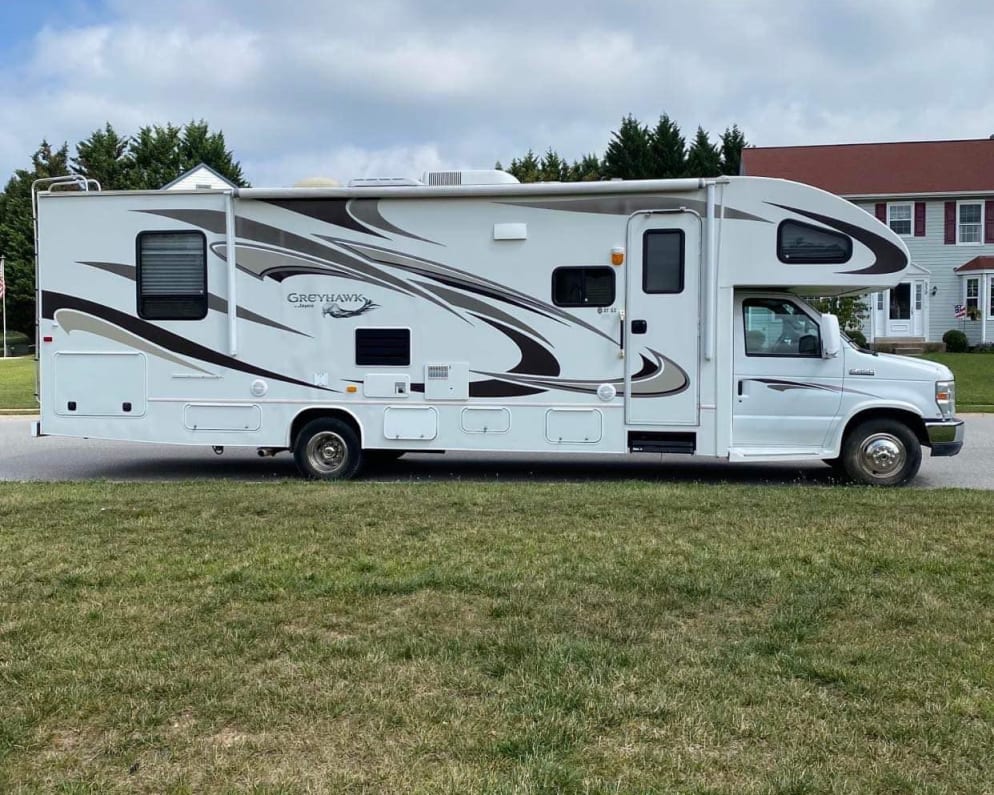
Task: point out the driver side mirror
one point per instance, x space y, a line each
831 337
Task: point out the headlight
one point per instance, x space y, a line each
945 397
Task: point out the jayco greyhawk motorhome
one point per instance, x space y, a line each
474 313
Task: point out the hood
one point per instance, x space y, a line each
904 368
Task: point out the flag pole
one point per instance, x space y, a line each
3 292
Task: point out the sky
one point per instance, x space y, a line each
331 88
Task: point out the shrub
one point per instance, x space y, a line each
987 347
858 337
955 340
17 338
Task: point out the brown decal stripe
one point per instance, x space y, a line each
330 211
51 302
215 302
535 359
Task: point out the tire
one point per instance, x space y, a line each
881 452
327 449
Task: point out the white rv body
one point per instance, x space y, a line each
597 317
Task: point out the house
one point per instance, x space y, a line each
201 177
939 196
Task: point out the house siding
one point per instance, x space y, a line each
941 259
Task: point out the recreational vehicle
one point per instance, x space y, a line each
465 311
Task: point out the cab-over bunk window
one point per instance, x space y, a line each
801 243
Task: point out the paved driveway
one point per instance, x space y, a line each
55 459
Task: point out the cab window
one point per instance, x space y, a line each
778 327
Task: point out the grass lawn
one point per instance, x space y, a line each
17 383
974 378
447 637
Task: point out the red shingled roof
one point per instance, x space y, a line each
886 169
977 264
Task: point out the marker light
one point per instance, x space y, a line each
945 397
617 255
351 389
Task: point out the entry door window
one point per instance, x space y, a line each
900 302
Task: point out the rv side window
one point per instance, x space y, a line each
802 243
777 327
662 261
383 347
583 287
172 275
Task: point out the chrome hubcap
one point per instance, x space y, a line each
882 454
326 452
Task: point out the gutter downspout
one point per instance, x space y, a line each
229 250
710 231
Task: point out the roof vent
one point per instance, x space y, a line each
474 177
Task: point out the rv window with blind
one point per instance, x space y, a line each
172 275
583 286
802 243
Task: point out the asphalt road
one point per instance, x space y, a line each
56 459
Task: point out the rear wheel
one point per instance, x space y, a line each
327 449
881 452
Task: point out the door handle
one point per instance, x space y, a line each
621 334
639 327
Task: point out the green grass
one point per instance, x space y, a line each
619 637
17 383
974 378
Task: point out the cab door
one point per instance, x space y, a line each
662 318
786 394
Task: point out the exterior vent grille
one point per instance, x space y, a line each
437 372
444 178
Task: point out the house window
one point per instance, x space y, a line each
972 296
583 287
969 222
172 275
990 304
919 291
899 218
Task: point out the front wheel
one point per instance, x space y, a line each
327 449
881 452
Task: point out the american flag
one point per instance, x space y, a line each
960 311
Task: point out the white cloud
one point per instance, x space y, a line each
349 89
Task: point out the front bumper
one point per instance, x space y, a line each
945 437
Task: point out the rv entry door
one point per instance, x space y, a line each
662 318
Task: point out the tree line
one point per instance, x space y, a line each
637 151
156 155
148 160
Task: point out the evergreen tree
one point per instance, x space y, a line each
586 169
552 168
669 150
17 233
156 157
732 144
104 157
199 145
526 169
703 159
628 154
